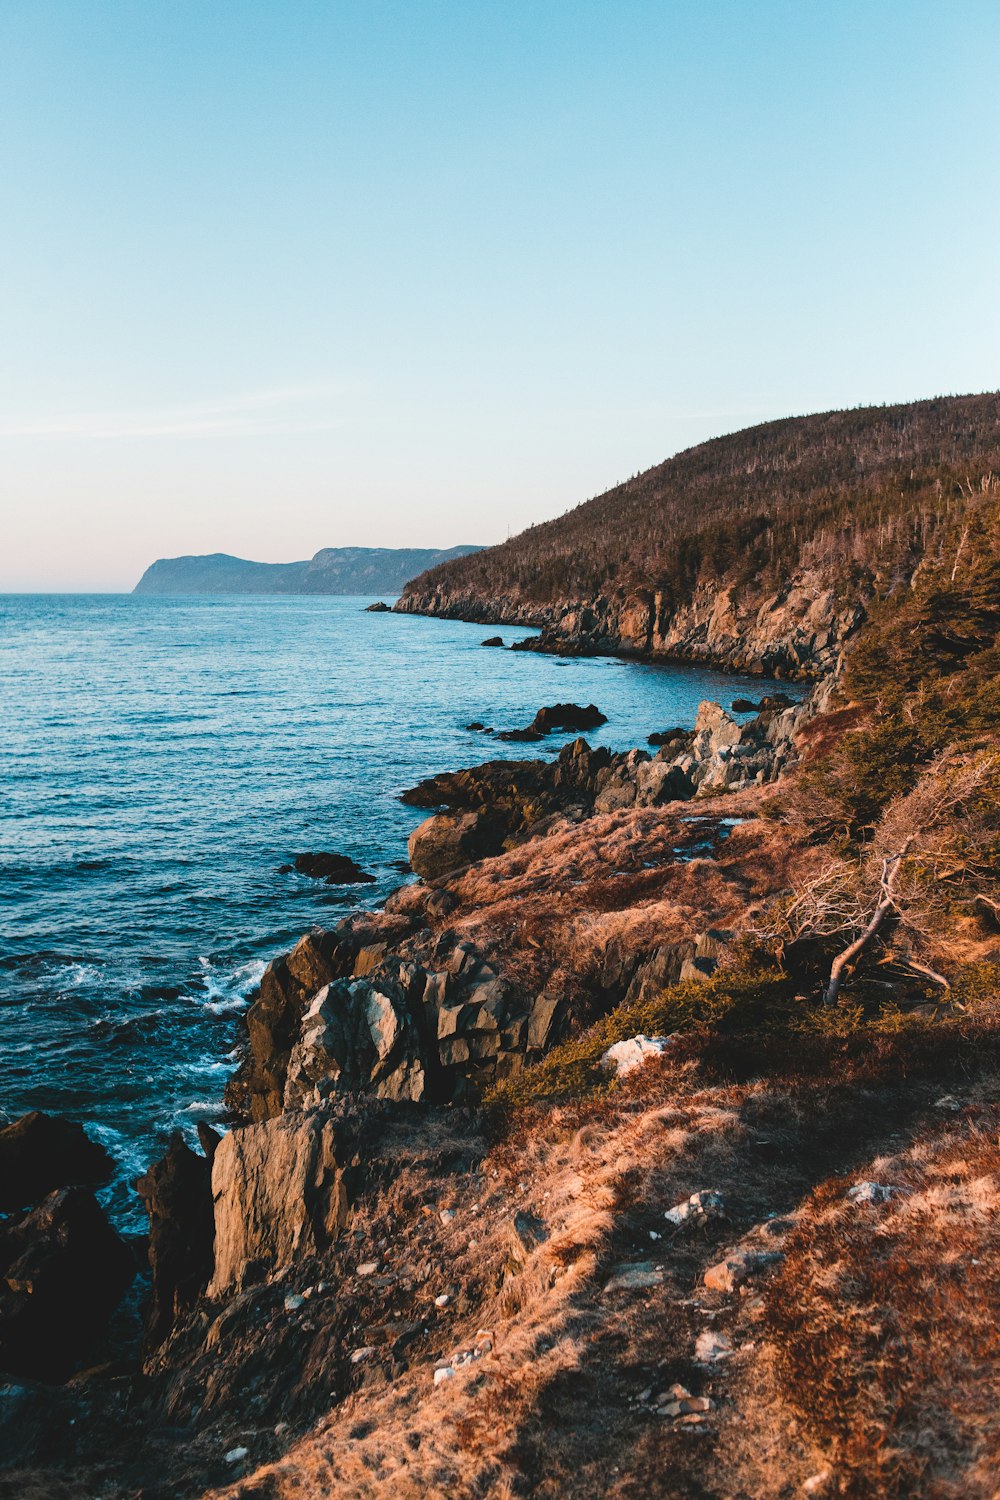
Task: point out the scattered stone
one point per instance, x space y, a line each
698 1209
235 1455
335 869
368 1268
730 1274
872 1192
687 1406
293 1302
634 1278
360 1356
39 1153
633 1052
710 1348
446 1215
949 1103
443 1373
442 1301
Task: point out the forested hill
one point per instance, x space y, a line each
842 502
333 570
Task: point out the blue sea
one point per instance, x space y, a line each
161 759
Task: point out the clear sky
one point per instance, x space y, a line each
284 274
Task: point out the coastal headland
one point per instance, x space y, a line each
660 1109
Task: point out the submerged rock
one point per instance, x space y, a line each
378 608
39 1153
63 1270
493 640
335 869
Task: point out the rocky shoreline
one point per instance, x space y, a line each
797 633
405 1008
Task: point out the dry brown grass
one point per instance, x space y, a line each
554 1410
586 895
886 1319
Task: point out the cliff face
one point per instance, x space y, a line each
758 552
797 632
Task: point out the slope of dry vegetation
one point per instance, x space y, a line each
861 494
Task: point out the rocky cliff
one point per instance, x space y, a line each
760 552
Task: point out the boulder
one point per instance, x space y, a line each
279 1194
177 1194
627 1055
63 1270
39 1153
450 841
567 716
730 1274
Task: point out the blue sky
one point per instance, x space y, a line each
277 276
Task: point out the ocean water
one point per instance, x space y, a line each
160 759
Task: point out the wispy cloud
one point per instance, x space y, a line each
291 409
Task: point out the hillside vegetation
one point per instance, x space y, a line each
858 492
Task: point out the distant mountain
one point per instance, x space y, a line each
334 570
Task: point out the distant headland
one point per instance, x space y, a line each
333 570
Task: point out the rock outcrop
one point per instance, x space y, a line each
177 1195
497 805
274 1018
39 1153
279 1192
63 1269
